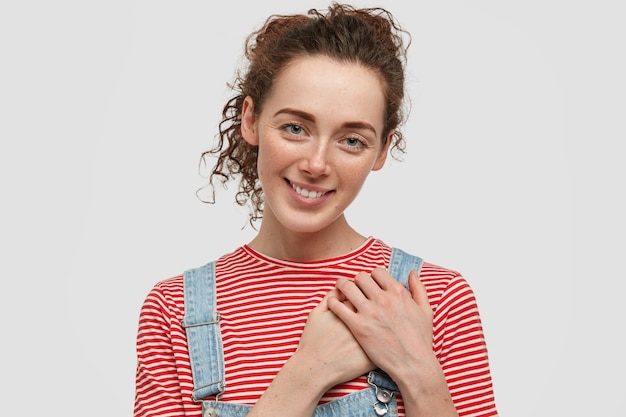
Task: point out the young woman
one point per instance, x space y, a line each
313 317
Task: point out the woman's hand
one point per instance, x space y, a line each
392 325
329 343
327 355
394 328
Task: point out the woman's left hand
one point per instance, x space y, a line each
392 325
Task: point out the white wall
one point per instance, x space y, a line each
514 176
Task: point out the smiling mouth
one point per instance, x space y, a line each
307 193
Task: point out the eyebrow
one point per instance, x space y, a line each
309 117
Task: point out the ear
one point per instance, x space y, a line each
248 122
382 156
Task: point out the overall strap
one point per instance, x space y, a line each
401 263
201 323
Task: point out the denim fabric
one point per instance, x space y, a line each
357 404
204 340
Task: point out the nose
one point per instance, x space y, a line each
316 160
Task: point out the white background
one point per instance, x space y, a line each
514 176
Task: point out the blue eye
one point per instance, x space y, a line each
355 143
294 129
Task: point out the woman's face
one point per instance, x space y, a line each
319 135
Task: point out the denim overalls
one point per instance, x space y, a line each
201 323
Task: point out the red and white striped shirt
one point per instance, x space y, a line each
264 303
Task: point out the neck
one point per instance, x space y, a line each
333 241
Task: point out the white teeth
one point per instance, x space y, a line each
307 193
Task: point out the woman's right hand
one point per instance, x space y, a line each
329 344
327 355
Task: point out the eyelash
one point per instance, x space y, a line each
359 146
289 126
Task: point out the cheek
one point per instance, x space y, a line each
356 174
269 161
274 157
262 169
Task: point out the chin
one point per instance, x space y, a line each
306 224
299 227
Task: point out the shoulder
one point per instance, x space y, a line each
436 275
172 290
165 299
431 275
169 294
443 285
168 288
448 290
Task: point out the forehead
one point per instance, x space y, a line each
329 88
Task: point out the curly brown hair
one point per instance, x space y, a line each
368 36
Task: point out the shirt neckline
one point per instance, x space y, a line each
369 242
